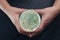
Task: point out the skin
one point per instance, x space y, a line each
48 14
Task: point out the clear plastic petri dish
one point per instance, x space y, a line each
29 20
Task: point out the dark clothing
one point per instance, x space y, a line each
9 32
31 4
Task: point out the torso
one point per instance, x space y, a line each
31 4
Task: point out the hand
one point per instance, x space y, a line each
13 13
48 14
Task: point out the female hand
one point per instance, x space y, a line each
48 14
13 13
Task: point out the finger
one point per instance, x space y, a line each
42 25
40 11
20 10
32 34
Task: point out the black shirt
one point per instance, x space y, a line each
31 3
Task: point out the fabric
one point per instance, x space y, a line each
9 32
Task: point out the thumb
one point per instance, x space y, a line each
20 10
40 11
42 26
44 23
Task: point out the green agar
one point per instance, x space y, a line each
30 20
